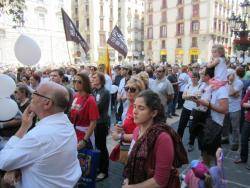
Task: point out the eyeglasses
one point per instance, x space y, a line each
159 71
130 89
77 81
40 95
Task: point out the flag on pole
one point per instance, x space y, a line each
107 62
71 32
117 41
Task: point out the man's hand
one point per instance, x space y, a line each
81 144
12 177
27 118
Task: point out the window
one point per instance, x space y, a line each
163 44
163 31
150 7
87 22
164 16
111 12
87 8
77 24
180 28
101 24
150 33
215 24
102 40
59 21
76 10
196 10
179 43
219 25
150 19
41 20
180 13
194 42
223 27
195 26
150 45
164 4
180 2
101 10
110 25
88 39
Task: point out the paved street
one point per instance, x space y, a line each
237 175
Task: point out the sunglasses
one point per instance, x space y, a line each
130 89
77 81
40 95
159 71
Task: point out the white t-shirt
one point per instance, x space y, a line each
191 90
221 93
206 92
183 81
235 102
220 71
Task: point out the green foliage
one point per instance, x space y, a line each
14 8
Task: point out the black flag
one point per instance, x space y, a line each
117 41
71 33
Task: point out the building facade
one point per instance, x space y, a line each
95 20
183 31
43 23
131 23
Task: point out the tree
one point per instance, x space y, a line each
14 8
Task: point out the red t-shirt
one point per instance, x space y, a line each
163 157
83 110
128 124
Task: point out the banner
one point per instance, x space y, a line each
71 32
117 41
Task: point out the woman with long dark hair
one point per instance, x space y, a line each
152 164
84 112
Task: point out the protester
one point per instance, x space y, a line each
34 82
151 163
84 111
245 132
124 133
162 86
192 90
183 80
232 118
22 96
46 156
102 97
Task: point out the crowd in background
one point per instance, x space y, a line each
214 98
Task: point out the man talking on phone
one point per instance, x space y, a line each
46 156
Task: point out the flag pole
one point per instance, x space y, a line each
70 60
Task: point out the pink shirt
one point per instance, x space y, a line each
163 156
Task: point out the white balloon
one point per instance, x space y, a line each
9 109
7 86
114 89
27 50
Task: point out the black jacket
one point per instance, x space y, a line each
102 97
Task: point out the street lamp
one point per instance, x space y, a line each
238 26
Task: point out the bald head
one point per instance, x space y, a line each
57 93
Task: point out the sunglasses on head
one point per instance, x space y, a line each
77 81
130 89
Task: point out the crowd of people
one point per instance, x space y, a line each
64 111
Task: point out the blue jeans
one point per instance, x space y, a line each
172 104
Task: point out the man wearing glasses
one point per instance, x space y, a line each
46 156
163 86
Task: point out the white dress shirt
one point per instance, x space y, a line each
46 155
